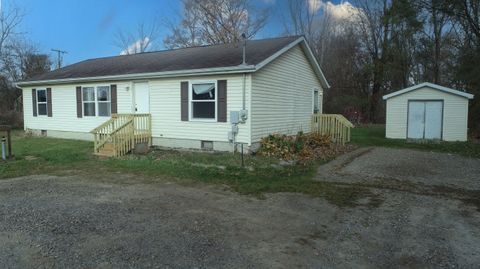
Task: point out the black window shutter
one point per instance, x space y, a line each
49 102
184 100
34 102
79 102
113 95
222 101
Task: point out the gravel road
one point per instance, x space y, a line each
78 222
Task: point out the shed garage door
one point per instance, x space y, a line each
425 119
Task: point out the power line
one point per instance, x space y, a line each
59 57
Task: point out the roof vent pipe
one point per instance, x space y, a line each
244 37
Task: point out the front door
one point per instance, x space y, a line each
141 98
425 119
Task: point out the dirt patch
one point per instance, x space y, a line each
79 222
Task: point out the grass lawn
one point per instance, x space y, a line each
40 155
374 135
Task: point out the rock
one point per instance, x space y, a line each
254 148
141 148
287 163
276 166
221 167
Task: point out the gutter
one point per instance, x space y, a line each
182 73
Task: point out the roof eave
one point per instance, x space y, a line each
430 85
138 76
316 65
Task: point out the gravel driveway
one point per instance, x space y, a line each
79 222
417 167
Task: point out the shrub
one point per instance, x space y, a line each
301 147
276 145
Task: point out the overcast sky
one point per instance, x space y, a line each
86 28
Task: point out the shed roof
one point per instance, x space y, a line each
193 60
429 85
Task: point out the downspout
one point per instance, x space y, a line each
244 91
244 97
244 62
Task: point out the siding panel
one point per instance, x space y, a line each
64 109
282 95
165 108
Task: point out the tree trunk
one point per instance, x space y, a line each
437 32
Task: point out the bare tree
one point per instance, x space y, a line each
467 13
215 22
35 64
438 21
335 42
188 32
19 59
10 19
437 43
138 41
300 19
374 30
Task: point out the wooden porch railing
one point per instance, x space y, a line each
118 136
334 125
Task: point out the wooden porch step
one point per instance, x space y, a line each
108 146
105 153
107 150
102 154
126 130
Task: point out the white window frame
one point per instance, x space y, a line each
95 100
84 102
42 103
191 101
103 102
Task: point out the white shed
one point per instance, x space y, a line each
427 111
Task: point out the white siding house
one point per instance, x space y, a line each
427 111
279 88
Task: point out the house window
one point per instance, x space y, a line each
316 106
203 100
42 102
88 101
96 101
103 98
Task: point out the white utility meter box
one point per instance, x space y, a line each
234 117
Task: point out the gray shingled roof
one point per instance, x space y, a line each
214 56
